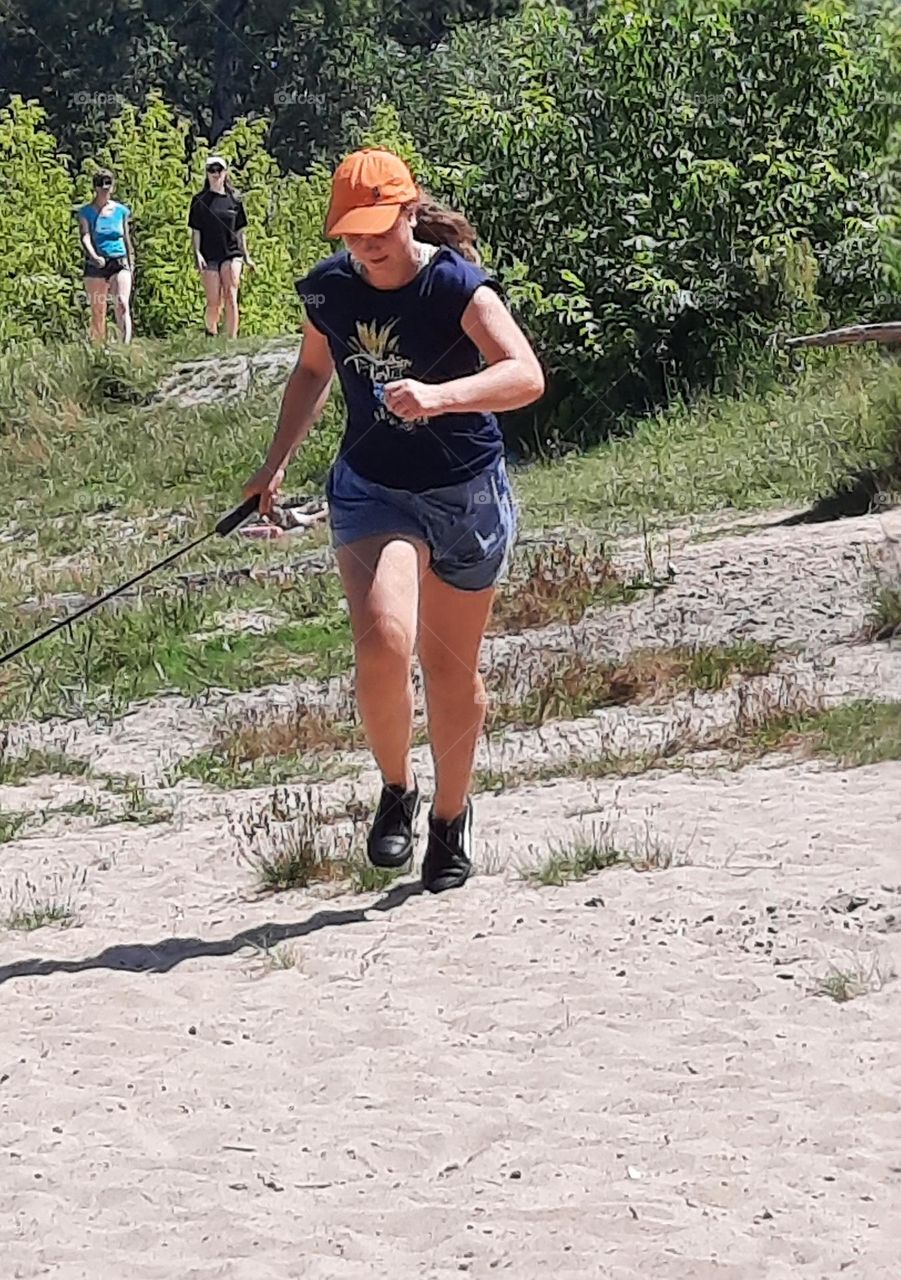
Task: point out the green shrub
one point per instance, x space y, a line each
147 151
39 281
665 186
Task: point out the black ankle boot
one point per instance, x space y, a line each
390 841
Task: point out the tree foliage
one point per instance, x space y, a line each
38 277
664 183
660 184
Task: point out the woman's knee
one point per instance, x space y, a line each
446 671
382 645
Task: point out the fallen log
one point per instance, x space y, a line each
849 335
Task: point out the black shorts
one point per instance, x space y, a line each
111 267
214 264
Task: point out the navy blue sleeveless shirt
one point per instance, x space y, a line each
377 336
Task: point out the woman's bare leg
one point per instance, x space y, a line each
230 273
381 581
451 627
212 288
121 290
97 290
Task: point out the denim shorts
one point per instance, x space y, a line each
469 528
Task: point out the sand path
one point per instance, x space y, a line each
623 1077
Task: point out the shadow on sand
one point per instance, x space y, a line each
160 957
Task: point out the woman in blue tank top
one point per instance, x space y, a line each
109 256
420 507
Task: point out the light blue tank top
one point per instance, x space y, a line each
107 227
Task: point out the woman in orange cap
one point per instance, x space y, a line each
421 511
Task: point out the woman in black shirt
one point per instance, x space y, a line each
217 221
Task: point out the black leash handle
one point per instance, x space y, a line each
230 522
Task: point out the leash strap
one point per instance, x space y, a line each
225 526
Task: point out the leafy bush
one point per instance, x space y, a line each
39 288
147 152
660 187
664 186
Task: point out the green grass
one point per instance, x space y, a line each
137 807
28 907
709 667
171 643
82 440
581 857
83 807
365 878
34 763
861 733
38 914
274 748
788 447
10 825
289 842
227 770
81 436
885 612
574 684
585 767
848 983
140 810
587 853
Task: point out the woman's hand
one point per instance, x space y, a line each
97 260
266 482
409 399
201 263
249 262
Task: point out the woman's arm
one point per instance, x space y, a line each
240 224
513 377
242 245
198 256
304 399
87 242
129 246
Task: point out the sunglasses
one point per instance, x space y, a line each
104 182
215 168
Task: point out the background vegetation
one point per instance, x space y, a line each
661 187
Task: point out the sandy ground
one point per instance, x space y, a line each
624 1077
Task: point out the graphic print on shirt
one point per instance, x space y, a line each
375 353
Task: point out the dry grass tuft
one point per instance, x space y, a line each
16 768
860 977
884 619
583 855
270 735
10 825
30 907
573 684
290 842
263 746
557 582
598 850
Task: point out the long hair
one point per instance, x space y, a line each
437 224
228 186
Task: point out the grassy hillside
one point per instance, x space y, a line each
104 479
